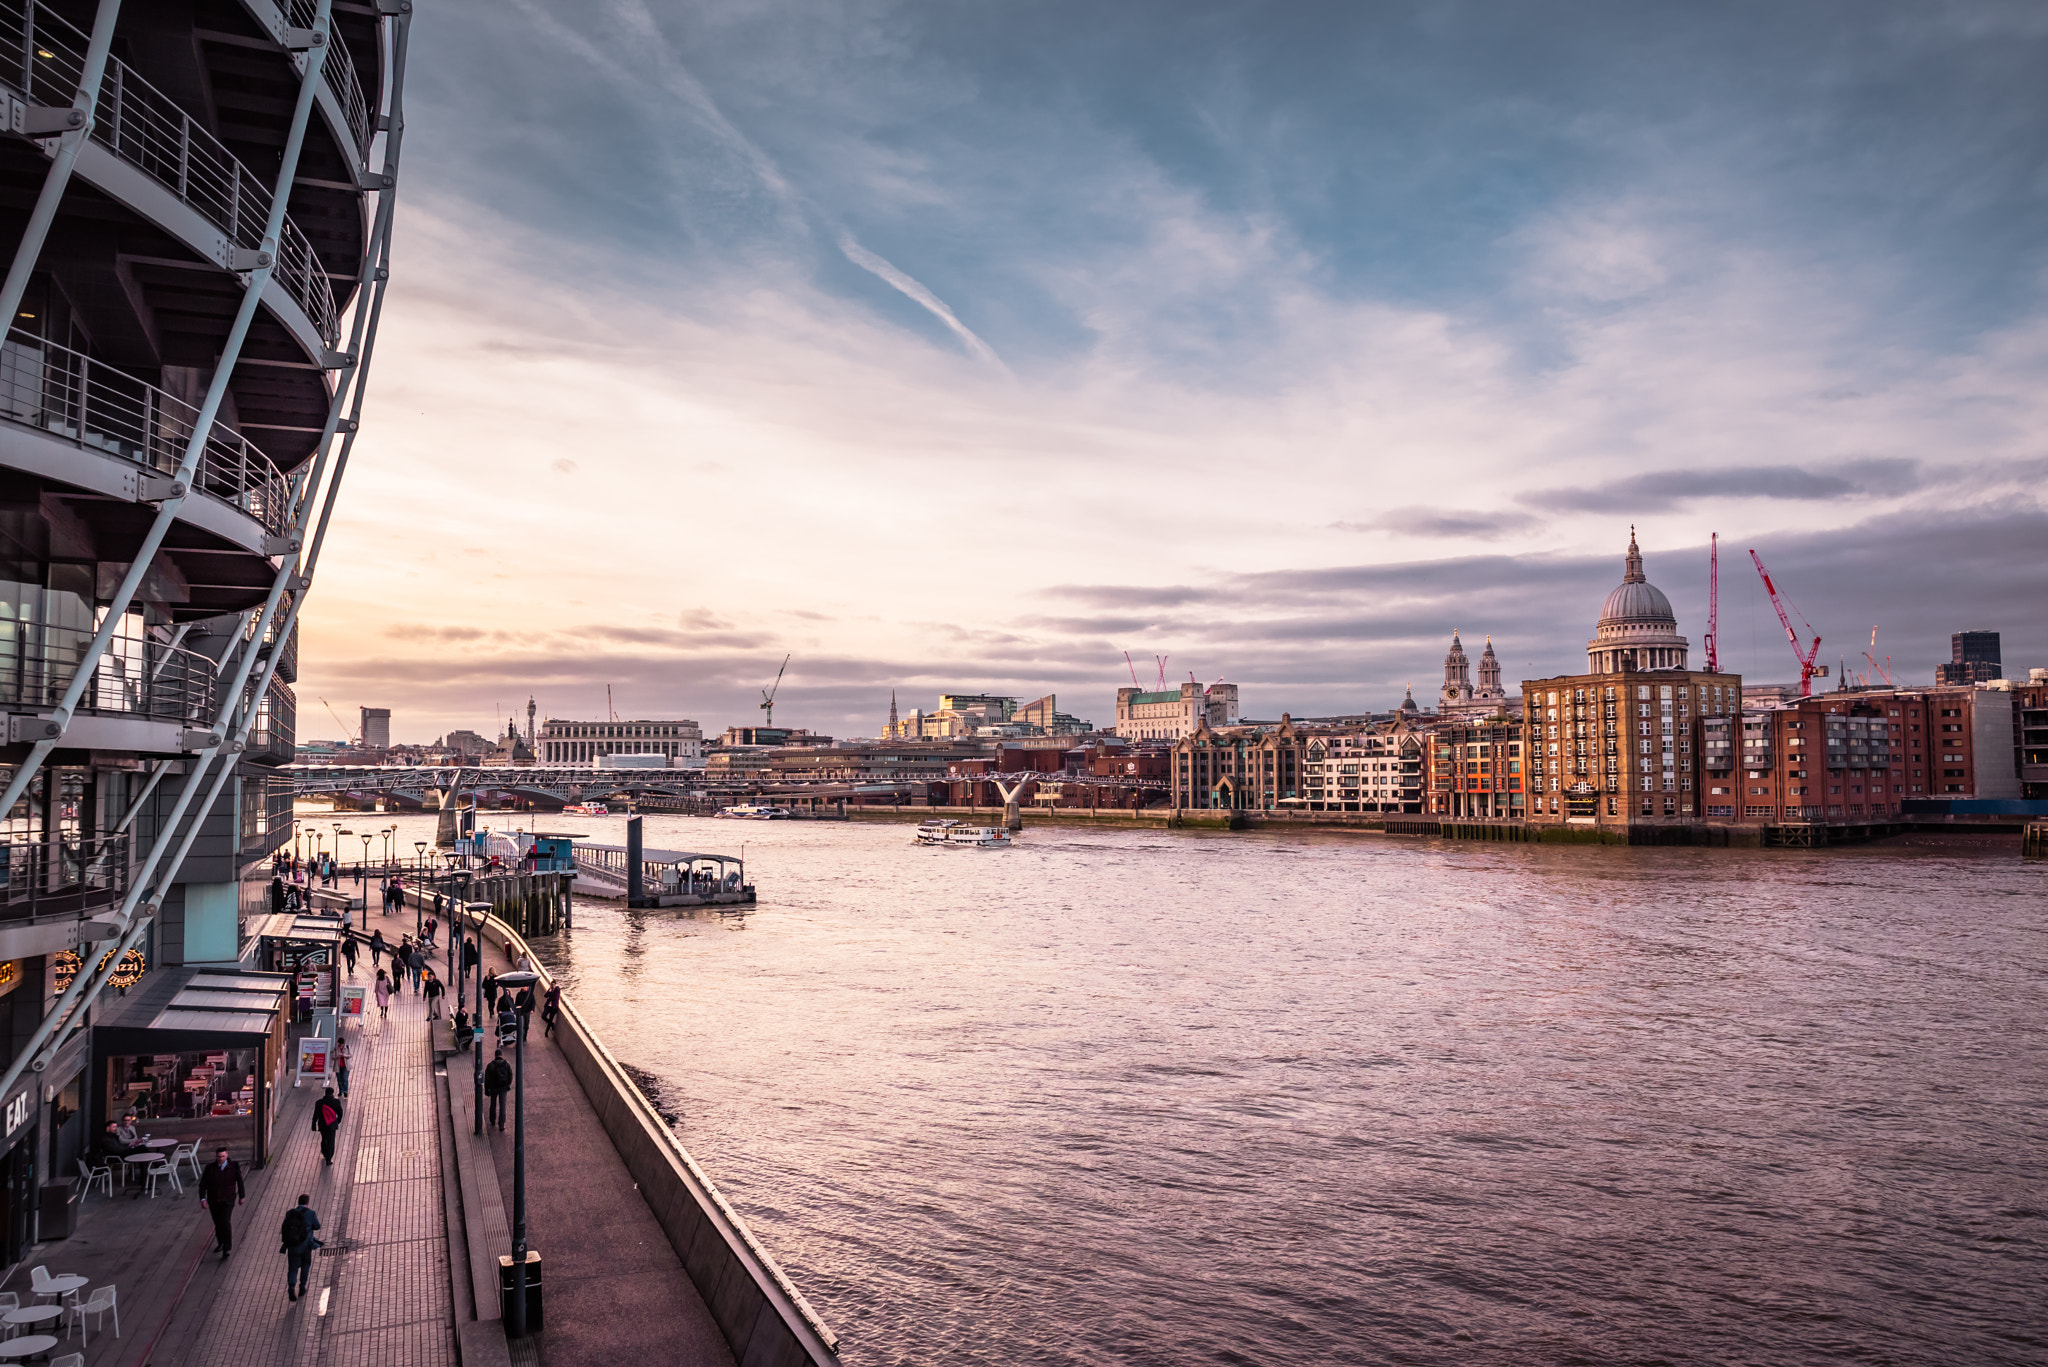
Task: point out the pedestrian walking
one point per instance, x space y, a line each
433 928
419 966
383 995
341 1067
298 1245
551 1008
497 1082
469 953
490 997
434 990
220 1191
377 947
523 1004
349 951
327 1119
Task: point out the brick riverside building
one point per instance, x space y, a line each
1476 768
1356 770
1849 756
1624 744
1241 768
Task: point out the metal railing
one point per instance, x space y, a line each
273 738
60 875
339 71
42 55
96 407
137 676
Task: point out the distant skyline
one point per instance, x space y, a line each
969 349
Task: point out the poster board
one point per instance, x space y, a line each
314 1052
352 1002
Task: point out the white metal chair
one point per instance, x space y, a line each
43 1284
9 1300
162 1169
103 1175
71 1359
100 1304
187 1153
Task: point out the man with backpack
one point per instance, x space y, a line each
497 1082
327 1119
299 1244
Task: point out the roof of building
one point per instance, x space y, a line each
1636 599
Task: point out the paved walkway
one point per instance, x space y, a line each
615 1291
379 1294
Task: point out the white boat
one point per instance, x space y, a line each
756 811
952 833
587 809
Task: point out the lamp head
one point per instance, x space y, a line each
518 979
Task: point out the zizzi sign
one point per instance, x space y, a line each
17 1110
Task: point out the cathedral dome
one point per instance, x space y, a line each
1637 628
1637 600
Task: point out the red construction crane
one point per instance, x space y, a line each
1881 670
1162 659
1134 670
1807 668
1714 605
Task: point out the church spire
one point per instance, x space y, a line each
1635 560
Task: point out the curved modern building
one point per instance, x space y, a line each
196 200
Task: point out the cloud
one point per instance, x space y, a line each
1662 490
1438 523
924 298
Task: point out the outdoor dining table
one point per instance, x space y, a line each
63 1284
34 1314
129 1165
28 1345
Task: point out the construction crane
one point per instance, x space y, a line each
1808 670
338 721
1883 671
1714 605
1162 659
1134 670
768 694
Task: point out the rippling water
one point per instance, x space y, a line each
1128 1097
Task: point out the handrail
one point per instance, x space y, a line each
95 407
339 71
41 53
41 876
137 676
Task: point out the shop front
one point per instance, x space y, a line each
308 948
199 1063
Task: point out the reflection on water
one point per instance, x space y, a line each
1126 1097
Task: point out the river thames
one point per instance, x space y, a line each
1132 1097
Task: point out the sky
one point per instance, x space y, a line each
947 347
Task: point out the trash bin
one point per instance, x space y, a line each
505 1291
57 1217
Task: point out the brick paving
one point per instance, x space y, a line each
378 1295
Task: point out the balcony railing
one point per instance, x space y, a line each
96 407
138 676
61 876
274 736
42 55
339 70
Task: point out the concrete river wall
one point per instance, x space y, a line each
764 1318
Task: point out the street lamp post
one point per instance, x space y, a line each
516 980
477 911
363 871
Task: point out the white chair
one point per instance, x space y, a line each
71 1359
103 1175
162 1169
187 1153
9 1301
100 1304
43 1284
